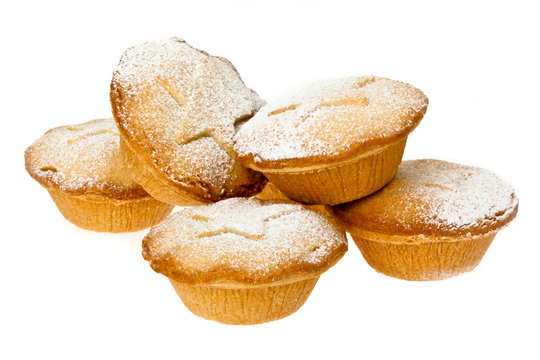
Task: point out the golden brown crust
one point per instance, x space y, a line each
436 199
177 108
234 278
330 123
244 241
83 159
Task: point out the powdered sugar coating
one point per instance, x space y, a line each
434 197
178 106
247 240
83 158
330 118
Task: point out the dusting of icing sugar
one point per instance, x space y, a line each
330 117
78 157
181 105
448 197
249 235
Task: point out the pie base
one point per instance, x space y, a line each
244 305
103 214
426 260
343 182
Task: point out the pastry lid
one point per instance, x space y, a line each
83 159
434 198
330 122
244 241
177 107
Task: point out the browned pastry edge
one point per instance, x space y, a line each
234 278
356 223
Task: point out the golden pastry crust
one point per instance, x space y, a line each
177 108
330 122
83 159
239 241
436 199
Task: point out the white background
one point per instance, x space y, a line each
73 294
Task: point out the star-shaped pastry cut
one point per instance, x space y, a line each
252 228
305 110
213 104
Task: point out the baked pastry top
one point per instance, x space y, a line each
434 198
329 122
178 107
83 159
246 241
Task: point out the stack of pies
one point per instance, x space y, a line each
266 191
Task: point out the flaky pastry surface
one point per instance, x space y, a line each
244 241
